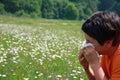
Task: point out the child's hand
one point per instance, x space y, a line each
90 55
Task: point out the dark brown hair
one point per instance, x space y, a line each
103 26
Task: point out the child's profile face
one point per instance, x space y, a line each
99 48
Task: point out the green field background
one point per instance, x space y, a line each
40 49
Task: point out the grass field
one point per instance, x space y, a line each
40 49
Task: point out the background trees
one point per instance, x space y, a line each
71 12
57 9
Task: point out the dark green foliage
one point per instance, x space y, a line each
110 5
2 10
106 4
11 5
57 9
59 6
116 8
47 9
22 7
71 12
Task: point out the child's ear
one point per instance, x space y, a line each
109 43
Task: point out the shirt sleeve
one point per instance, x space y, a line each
115 68
103 65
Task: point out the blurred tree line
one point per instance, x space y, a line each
57 9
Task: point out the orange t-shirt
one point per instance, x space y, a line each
111 65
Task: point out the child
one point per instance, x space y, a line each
102 30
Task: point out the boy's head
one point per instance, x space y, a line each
103 26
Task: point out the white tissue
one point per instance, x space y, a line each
89 44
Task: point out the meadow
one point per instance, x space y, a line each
40 49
